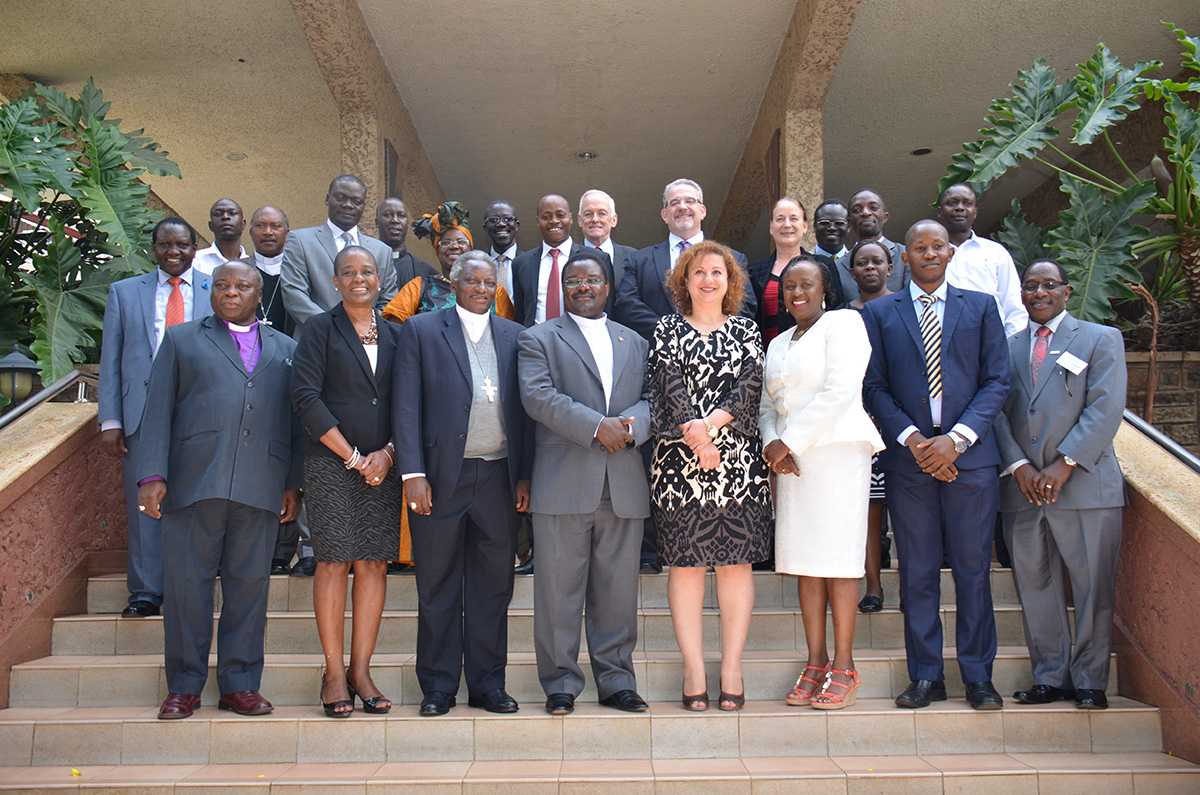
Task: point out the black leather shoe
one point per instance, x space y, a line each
280 567
1043 694
560 703
524 568
981 695
626 701
921 693
139 609
436 703
870 604
305 567
1090 699
651 567
396 567
494 701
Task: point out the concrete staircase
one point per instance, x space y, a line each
84 718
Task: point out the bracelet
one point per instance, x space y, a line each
352 461
388 452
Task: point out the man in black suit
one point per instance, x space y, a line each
537 279
642 298
391 219
464 449
597 218
502 224
222 455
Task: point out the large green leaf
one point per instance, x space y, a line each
1183 150
70 306
1092 242
1018 128
33 156
141 152
1189 57
113 195
1106 92
1022 239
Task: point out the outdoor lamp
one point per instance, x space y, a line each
17 372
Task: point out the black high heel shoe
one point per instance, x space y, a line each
331 707
370 705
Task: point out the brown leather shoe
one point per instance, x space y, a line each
178 706
245 702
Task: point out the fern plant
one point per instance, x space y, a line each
76 220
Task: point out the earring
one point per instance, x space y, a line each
822 303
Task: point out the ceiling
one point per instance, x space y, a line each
508 91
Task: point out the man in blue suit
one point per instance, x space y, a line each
136 318
938 377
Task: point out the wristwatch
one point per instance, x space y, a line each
960 442
1069 461
712 429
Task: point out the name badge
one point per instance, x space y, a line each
1071 362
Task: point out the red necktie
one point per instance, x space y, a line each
553 288
174 303
1041 345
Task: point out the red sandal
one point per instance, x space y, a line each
800 697
845 697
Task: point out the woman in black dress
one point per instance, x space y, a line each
342 393
709 490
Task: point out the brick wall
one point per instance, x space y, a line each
1177 401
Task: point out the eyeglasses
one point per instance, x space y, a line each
447 242
1050 286
500 219
591 281
684 201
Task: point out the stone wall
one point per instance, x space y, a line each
1177 400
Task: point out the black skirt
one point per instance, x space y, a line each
350 520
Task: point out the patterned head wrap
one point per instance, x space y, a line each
448 215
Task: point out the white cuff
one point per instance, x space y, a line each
907 432
966 431
411 475
1014 466
110 425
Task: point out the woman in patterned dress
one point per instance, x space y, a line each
710 494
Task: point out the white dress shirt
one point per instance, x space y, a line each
673 241
338 240
595 332
935 403
504 260
836 257
269 265
1051 324
564 249
606 246
986 266
209 259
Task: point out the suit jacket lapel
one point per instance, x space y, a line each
216 332
327 242
455 336
268 347
954 307
341 322
574 337
148 293
504 342
662 264
387 343
1018 353
620 354
908 314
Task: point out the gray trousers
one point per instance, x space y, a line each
586 560
1043 541
144 576
198 541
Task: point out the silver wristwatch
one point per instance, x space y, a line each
960 442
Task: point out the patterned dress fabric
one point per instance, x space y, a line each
722 516
350 520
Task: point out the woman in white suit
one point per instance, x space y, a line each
819 440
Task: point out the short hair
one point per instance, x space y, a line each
612 205
466 258
224 199
254 215
908 236
826 277
830 203
887 253
350 250
675 183
347 178
795 201
173 220
735 275
1062 274
588 254
967 185
240 263
494 202
868 190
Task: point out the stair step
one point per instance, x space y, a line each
295 632
1034 773
872 727
294 679
108 593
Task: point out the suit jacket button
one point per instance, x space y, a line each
462 436
246 432
250 385
374 401
1034 440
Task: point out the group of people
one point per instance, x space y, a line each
617 410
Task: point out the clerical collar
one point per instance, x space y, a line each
270 265
589 322
473 324
241 329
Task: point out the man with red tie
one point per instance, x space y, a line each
139 311
537 273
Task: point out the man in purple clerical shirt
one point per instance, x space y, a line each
222 469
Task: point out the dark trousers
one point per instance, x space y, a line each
464 554
145 571
956 520
198 541
292 535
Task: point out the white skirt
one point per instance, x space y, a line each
821 514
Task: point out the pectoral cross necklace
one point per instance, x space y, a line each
489 389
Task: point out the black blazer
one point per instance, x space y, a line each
409 266
525 269
334 384
760 275
642 298
433 391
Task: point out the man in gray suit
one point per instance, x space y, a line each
1062 505
307 273
222 454
868 215
136 317
582 378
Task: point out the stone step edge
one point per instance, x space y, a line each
886 572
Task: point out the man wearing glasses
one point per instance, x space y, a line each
1062 504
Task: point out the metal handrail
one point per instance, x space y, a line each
1162 440
47 393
